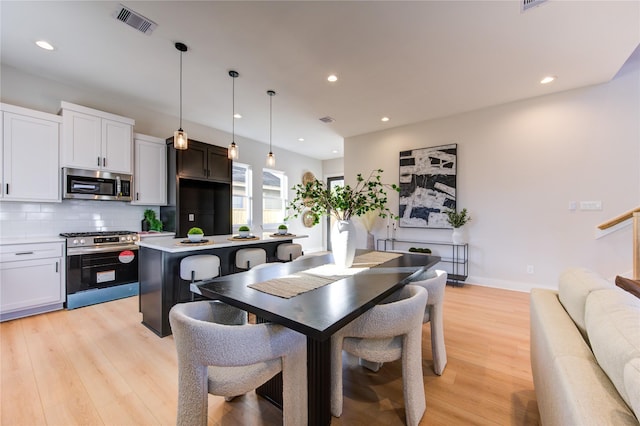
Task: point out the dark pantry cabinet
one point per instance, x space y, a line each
199 189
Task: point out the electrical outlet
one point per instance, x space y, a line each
529 269
192 217
590 205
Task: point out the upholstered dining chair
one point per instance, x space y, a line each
389 331
435 283
220 354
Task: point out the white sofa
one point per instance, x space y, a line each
585 352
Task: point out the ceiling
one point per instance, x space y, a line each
410 61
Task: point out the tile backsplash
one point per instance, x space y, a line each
18 220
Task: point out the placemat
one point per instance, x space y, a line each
199 243
282 235
252 238
311 279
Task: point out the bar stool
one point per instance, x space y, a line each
197 268
249 257
287 252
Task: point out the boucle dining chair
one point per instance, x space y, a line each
218 353
389 331
435 283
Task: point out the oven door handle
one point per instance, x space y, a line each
71 251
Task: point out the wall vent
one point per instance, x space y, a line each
327 119
528 4
134 20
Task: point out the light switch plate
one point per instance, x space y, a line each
192 217
590 205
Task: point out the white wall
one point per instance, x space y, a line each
29 91
520 165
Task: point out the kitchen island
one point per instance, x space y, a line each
159 270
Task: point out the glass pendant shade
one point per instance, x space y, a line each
232 151
180 139
271 159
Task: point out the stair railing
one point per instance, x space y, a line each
635 215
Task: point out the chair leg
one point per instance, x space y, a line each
438 349
192 396
193 279
412 382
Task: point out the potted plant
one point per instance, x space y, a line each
457 220
282 229
244 231
195 234
150 222
343 202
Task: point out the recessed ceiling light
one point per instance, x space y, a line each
301 139
44 45
332 78
385 119
548 79
236 115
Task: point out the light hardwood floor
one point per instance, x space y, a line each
99 366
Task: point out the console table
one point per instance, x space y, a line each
455 254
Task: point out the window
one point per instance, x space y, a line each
241 202
274 198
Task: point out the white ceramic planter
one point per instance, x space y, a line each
343 243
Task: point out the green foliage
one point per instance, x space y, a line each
154 223
420 250
283 227
195 230
343 202
244 228
457 219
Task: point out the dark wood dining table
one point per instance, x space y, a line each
317 313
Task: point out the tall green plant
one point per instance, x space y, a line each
456 219
343 202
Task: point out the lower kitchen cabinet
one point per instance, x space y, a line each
31 279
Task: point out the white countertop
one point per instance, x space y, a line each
172 245
155 234
32 240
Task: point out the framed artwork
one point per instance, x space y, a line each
427 186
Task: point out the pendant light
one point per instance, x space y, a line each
271 159
180 140
232 151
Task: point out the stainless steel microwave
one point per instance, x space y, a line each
96 185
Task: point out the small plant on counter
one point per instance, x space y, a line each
244 231
153 223
456 219
282 229
195 231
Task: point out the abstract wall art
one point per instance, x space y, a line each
427 186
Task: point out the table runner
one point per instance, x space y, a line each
310 279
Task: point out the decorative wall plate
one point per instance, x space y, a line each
308 177
307 219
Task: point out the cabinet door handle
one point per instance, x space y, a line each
23 253
98 161
104 161
137 196
7 189
56 266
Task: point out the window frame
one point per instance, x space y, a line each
284 198
248 185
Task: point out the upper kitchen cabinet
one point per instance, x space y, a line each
150 171
96 140
29 155
203 161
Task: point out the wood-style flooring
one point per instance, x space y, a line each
99 365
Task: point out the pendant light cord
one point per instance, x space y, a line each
181 90
233 108
270 120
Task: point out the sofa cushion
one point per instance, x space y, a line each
574 286
632 384
613 323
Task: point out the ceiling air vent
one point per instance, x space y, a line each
528 4
135 20
327 119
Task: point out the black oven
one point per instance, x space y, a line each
100 266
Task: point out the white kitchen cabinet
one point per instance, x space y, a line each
150 171
30 145
32 279
96 140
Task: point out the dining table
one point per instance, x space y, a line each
342 294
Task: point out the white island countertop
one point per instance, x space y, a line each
175 245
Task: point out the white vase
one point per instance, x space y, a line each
343 243
458 236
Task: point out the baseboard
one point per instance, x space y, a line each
504 284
